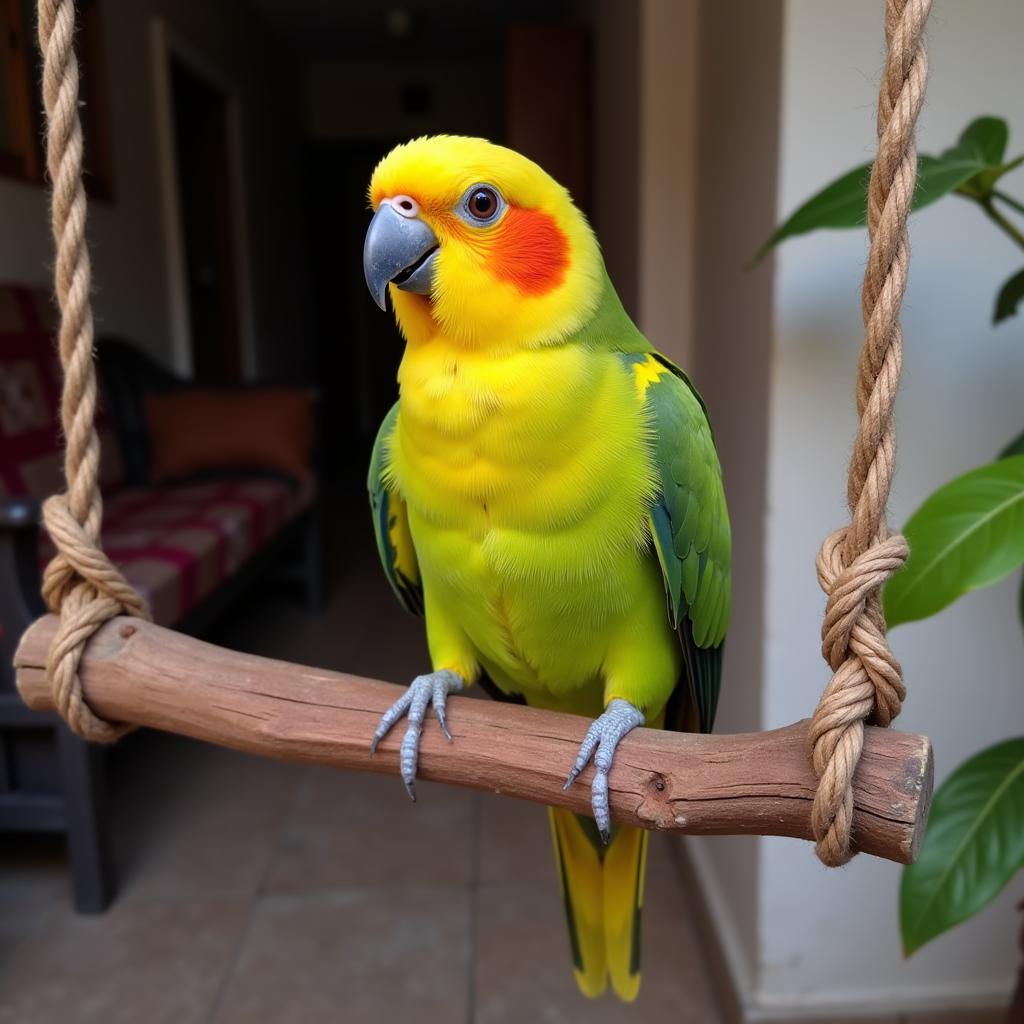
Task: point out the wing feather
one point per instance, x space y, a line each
689 528
391 524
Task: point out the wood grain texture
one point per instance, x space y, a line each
756 783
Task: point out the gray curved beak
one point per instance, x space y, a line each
400 250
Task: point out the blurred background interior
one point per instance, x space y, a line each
229 146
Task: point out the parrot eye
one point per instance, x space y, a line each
481 205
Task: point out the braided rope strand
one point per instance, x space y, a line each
81 584
856 560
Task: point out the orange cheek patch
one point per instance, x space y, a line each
529 251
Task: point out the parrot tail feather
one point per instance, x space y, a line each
602 889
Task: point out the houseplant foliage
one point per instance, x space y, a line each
972 169
968 534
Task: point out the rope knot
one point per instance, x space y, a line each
86 589
854 626
866 683
80 561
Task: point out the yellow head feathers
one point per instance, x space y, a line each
516 263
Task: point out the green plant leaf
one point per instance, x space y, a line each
939 175
968 534
972 166
991 176
1009 298
982 184
840 204
843 203
973 846
1015 447
987 136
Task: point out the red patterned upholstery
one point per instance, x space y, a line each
30 443
176 542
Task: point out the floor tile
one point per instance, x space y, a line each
33 874
391 644
151 962
363 629
195 821
515 841
354 828
34 883
15 927
376 954
524 972
990 1016
882 1019
515 844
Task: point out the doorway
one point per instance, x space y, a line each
204 195
204 219
357 349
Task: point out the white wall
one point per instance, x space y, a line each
831 937
126 235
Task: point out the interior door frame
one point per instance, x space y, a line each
167 44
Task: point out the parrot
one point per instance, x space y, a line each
546 492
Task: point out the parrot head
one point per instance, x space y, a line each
474 240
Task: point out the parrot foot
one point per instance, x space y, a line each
423 690
604 734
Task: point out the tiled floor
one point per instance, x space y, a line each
257 891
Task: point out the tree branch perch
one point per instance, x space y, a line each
757 783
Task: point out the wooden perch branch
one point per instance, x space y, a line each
758 783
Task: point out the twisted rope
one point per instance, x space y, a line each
857 559
80 584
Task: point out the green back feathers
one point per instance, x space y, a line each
391 525
689 525
692 513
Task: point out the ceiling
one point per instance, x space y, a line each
380 29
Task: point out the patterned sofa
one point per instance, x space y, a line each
190 547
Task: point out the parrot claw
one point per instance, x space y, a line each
432 688
603 736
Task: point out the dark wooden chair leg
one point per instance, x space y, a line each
82 771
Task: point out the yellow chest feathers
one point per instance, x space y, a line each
541 441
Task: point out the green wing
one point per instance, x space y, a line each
391 525
690 529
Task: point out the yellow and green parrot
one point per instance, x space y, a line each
545 485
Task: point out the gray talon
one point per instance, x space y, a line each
441 692
423 690
604 735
